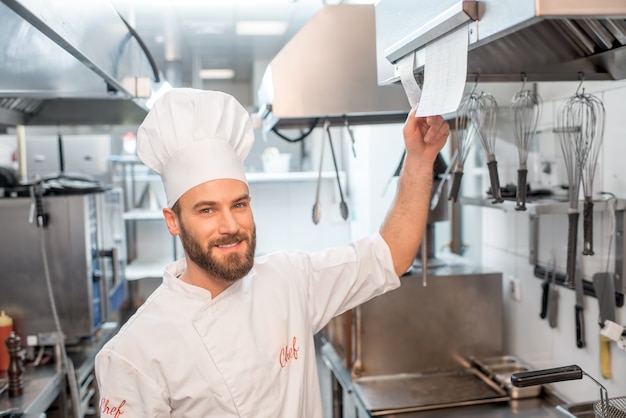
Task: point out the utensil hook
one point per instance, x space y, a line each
476 77
524 78
581 78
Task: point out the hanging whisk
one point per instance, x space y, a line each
570 138
526 106
489 109
592 116
581 131
466 126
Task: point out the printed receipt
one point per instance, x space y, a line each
407 78
445 74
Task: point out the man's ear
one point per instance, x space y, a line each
171 220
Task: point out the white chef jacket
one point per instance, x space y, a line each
247 353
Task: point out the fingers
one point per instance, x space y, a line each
438 129
411 122
430 129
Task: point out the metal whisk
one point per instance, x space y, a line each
570 138
581 131
526 106
592 117
466 126
489 109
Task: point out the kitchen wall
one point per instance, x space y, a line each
506 246
502 239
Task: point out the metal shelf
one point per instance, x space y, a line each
143 215
560 205
544 206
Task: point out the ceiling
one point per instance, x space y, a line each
185 36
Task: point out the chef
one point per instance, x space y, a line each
227 334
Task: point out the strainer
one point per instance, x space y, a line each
604 408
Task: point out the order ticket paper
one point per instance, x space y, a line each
445 74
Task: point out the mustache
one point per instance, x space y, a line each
230 239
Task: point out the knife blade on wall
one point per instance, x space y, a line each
579 308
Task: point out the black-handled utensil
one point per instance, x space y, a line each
588 226
522 185
545 289
579 308
572 241
542 377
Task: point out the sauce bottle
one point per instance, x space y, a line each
6 326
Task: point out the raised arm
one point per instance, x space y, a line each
406 221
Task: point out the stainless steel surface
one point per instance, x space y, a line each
578 410
74 63
83 240
43 384
382 395
389 359
539 407
328 71
500 369
81 155
463 304
455 15
549 40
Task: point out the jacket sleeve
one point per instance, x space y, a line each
125 391
343 278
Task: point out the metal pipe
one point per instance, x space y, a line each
20 132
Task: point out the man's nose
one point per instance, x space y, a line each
228 223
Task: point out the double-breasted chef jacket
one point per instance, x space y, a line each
247 353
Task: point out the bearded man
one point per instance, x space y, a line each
227 334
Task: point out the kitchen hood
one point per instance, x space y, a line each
327 71
543 40
75 63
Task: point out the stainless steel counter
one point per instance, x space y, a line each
543 406
41 387
43 384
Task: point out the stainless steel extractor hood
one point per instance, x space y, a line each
547 40
328 71
77 62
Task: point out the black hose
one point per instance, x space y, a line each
301 137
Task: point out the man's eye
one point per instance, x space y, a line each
206 210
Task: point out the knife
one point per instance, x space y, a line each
545 289
580 322
604 286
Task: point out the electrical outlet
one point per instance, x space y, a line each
515 289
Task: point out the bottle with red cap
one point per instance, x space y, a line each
6 326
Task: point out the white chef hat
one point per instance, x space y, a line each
193 136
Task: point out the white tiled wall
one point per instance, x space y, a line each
505 242
504 238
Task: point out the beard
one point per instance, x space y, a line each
232 267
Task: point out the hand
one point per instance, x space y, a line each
425 136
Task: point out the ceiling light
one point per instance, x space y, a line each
217 74
261 27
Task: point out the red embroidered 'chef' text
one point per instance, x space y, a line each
287 353
114 411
